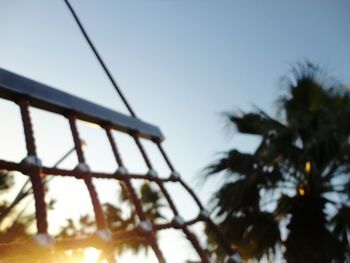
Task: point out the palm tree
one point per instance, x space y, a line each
118 219
15 225
291 195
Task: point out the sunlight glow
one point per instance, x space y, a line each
308 167
83 144
91 255
90 124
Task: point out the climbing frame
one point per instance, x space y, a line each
28 93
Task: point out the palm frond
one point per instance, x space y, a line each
256 123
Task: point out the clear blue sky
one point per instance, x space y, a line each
180 63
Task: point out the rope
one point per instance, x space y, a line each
34 172
144 154
159 182
165 156
27 125
147 230
208 220
76 139
135 200
100 60
196 245
114 147
11 166
100 220
192 238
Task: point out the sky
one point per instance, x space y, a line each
181 64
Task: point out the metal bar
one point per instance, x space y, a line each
13 86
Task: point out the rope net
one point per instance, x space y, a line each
103 238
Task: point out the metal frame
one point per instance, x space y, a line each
13 87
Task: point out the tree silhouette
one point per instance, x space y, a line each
291 195
117 219
15 225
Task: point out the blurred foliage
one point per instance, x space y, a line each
15 230
291 195
119 219
16 223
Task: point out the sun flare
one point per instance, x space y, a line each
91 255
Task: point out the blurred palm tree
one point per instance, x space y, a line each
15 225
291 195
118 218
12 227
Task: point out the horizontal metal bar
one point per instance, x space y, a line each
13 87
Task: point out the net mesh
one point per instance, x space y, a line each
103 238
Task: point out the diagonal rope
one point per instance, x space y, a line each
100 60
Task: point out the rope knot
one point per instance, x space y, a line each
146 226
234 258
178 221
175 175
204 214
30 164
152 173
122 170
104 235
44 240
